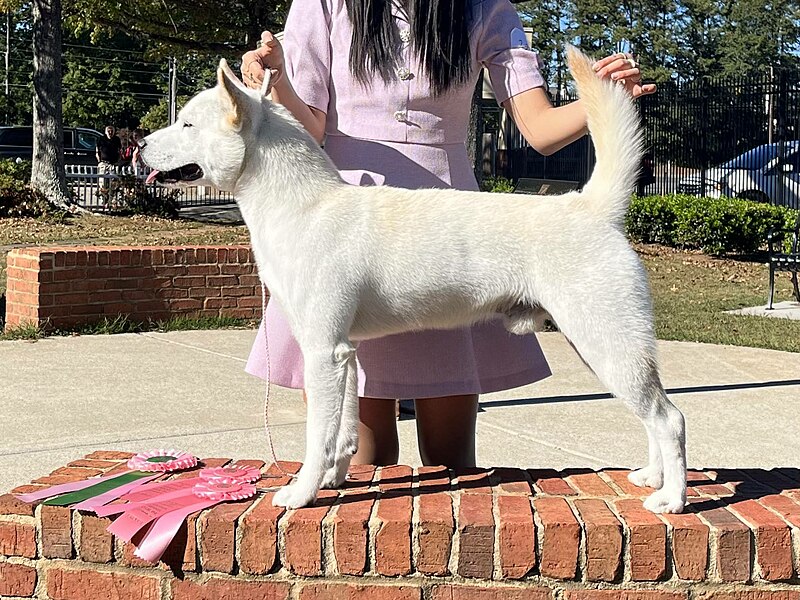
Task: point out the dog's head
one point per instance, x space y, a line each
207 143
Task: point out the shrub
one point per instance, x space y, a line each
130 195
17 197
497 184
713 225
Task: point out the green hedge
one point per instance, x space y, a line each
713 225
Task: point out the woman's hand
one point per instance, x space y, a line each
622 67
269 55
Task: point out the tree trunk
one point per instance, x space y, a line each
48 137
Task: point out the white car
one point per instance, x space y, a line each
767 173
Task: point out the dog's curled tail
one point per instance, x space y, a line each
617 136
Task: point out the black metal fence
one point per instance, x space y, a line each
86 187
711 137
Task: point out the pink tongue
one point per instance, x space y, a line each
152 177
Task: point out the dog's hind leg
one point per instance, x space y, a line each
347 440
611 328
635 380
326 369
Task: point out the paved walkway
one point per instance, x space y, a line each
64 397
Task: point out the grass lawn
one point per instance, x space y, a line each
691 290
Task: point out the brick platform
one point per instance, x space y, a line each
400 534
70 286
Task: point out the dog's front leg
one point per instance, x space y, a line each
325 382
347 442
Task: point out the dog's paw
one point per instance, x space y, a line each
336 475
651 477
294 496
665 501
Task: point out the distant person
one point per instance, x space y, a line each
108 152
136 159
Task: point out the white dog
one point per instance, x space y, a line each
349 263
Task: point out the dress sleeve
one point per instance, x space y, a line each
307 51
503 50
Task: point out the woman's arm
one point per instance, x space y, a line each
548 128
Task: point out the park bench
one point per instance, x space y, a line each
781 260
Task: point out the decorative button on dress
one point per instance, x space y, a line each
398 134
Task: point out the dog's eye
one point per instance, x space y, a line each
185 124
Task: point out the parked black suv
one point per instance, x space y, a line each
79 144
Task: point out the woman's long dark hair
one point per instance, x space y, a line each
439 38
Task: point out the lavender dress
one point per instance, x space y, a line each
398 134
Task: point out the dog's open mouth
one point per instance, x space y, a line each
190 172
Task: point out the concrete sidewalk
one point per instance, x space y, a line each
61 398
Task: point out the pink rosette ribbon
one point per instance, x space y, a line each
231 474
218 491
162 461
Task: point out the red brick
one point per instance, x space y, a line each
624 595
550 482
229 589
749 594
17 580
590 484
784 506
302 531
102 465
259 537
689 545
351 532
474 481
359 479
434 532
109 455
17 539
433 479
395 477
356 591
516 536
95 543
393 539
218 535
771 479
56 528
202 464
620 479
277 475
603 540
476 533
560 537
510 481
706 486
466 592
647 541
68 584
743 483
10 505
732 543
792 474
773 540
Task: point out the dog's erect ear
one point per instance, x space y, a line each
234 93
266 85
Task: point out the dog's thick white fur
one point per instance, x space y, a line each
349 263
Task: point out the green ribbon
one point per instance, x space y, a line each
95 490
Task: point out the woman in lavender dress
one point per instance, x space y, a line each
387 86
